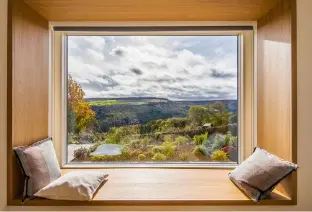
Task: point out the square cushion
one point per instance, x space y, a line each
38 164
75 185
259 174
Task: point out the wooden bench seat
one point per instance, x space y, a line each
166 187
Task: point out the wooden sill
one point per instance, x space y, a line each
165 187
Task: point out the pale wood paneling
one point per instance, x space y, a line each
28 85
276 85
152 10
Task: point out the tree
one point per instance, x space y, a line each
218 116
196 114
79 111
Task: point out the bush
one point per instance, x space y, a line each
81 153
200 150
141 157
157 149
183 156
200 139
219 155
145 141
218 142
114 136
104 158
159 157
180 140
168 148
135 143
221 141
168 138
125 153
71 139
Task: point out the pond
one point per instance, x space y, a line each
107 149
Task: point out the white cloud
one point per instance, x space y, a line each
175 67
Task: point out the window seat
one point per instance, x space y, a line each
166 187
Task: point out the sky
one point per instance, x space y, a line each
174 67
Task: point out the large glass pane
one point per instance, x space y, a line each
152 99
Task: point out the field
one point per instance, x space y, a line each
115 102
159 130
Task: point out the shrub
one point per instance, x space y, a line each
125 153
219 155
114 136
104 158
180 140
71 139
183 156
200 150
168 148
141 157
218 142
159 157
168 138
221 141
227 149
200 139
145 141
135 143
81 153
157 149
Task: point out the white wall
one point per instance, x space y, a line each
304 12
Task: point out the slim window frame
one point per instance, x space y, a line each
246 93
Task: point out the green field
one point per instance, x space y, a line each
115 102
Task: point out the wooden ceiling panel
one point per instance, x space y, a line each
152 10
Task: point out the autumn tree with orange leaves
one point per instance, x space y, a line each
80 114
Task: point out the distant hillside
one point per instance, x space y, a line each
128 111
126 99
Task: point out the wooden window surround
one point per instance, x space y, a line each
27 96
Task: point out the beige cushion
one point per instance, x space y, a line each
38 164
75 185
259 174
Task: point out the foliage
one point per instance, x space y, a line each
200 150
168 138
157 149
145 141
125 153
219 155
218 142
141 157
196 114
78 109
180 140
104 158
71 139
183 156
159 157
227 149
200 139
81 153
168 148
114 136
223 141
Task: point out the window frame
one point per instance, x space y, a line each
246 97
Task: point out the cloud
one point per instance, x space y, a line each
174 67
137 71
219 74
